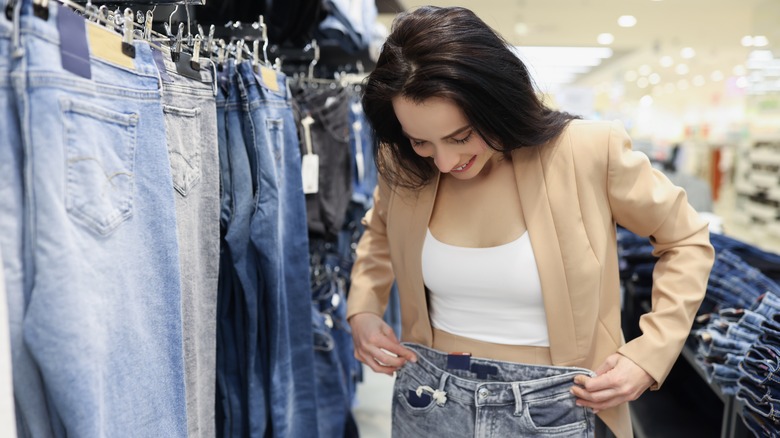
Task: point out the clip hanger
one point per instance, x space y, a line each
127 41
41 9
195 61
239 51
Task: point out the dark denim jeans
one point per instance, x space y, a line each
516 400
734 283
278 236
766 262
249 417
364 172
333 350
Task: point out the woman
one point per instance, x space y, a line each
496 216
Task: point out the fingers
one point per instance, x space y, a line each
377 346
618 380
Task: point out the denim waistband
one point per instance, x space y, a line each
32 26
528 379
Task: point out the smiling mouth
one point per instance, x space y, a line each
464 167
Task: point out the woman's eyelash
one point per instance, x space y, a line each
417 143
464 139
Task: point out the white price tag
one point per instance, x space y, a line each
310 169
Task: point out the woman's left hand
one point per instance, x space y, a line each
617 380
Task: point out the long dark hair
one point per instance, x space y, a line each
451 53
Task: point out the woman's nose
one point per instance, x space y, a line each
445 160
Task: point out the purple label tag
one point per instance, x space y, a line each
160 62
74 48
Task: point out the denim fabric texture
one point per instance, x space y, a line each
336 367
758 426
32 411
762 364
7 411
517 400
245 305
364 172
734 283
329 107
189 108
766 262
103 320
278 237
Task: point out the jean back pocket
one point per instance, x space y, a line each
182 128
100 153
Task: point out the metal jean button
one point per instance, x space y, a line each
483 393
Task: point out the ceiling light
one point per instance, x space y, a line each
681 69
554 66
630 76
682 84
698 80
654 78
687 53
670 87
716 76
747 41
645 70
760 41
642 82
605 39
666 61
627 21
521 29
646 100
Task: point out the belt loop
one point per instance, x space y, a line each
518 399
443 381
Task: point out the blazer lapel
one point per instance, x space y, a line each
415 216
531 184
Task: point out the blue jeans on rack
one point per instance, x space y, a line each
278 234
364 173
734 283
764 400
766 262
31 409
103 320
762 364
191 132
251 417
332 344
429 399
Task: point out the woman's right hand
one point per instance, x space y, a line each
376 344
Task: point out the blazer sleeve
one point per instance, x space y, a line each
643 200
372 273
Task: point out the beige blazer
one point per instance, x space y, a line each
573 190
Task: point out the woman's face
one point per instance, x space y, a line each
438 129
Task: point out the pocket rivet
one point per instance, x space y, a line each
483 393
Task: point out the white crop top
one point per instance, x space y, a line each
488 294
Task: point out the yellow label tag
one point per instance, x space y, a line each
269 78
107 46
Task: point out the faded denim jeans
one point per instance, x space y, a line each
515 400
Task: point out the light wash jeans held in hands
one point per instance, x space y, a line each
103 320
517 401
